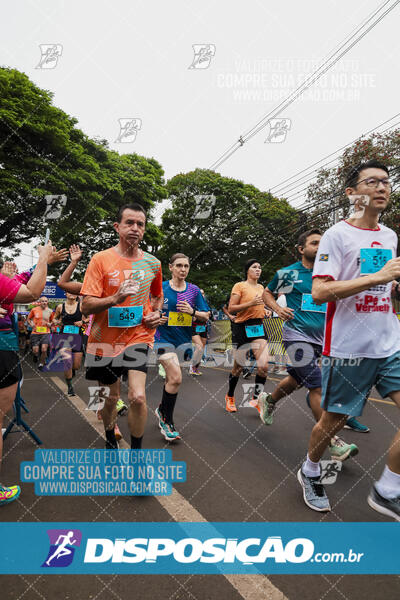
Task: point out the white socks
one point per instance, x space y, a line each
312 469
389 484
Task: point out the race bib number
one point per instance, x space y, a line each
308 304
179 319
254 330
200 328
70 329
373 259
41 329
125 316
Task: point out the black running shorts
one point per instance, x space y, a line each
245 332
109 369
10 370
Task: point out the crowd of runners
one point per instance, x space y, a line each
340 332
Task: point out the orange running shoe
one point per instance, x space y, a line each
230 405
254 402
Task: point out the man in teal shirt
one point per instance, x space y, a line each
302 335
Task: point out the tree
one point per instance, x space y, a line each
326 196
42 152
219 223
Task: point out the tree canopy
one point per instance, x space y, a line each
42 152
220 222
326 197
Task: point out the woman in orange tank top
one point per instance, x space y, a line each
248 333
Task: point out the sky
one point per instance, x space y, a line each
126 60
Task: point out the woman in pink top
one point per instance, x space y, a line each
13 290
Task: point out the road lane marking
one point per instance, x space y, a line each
250 587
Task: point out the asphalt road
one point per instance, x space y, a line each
237 470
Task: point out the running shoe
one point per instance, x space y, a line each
267 408
122 408
193 371
230 405
246 373
172 434
355 425
71 391
313 492
40 366
254 403
8 494
167 429
118 434
341 451
161 371
385 506
198 372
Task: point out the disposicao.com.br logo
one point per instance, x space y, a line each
62 547
199 548
249 551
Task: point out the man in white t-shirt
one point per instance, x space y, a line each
354 272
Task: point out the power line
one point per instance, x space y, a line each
292 228
314 77
281 185
306 84
340 46
295 195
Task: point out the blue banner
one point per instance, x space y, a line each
193 548
52 291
